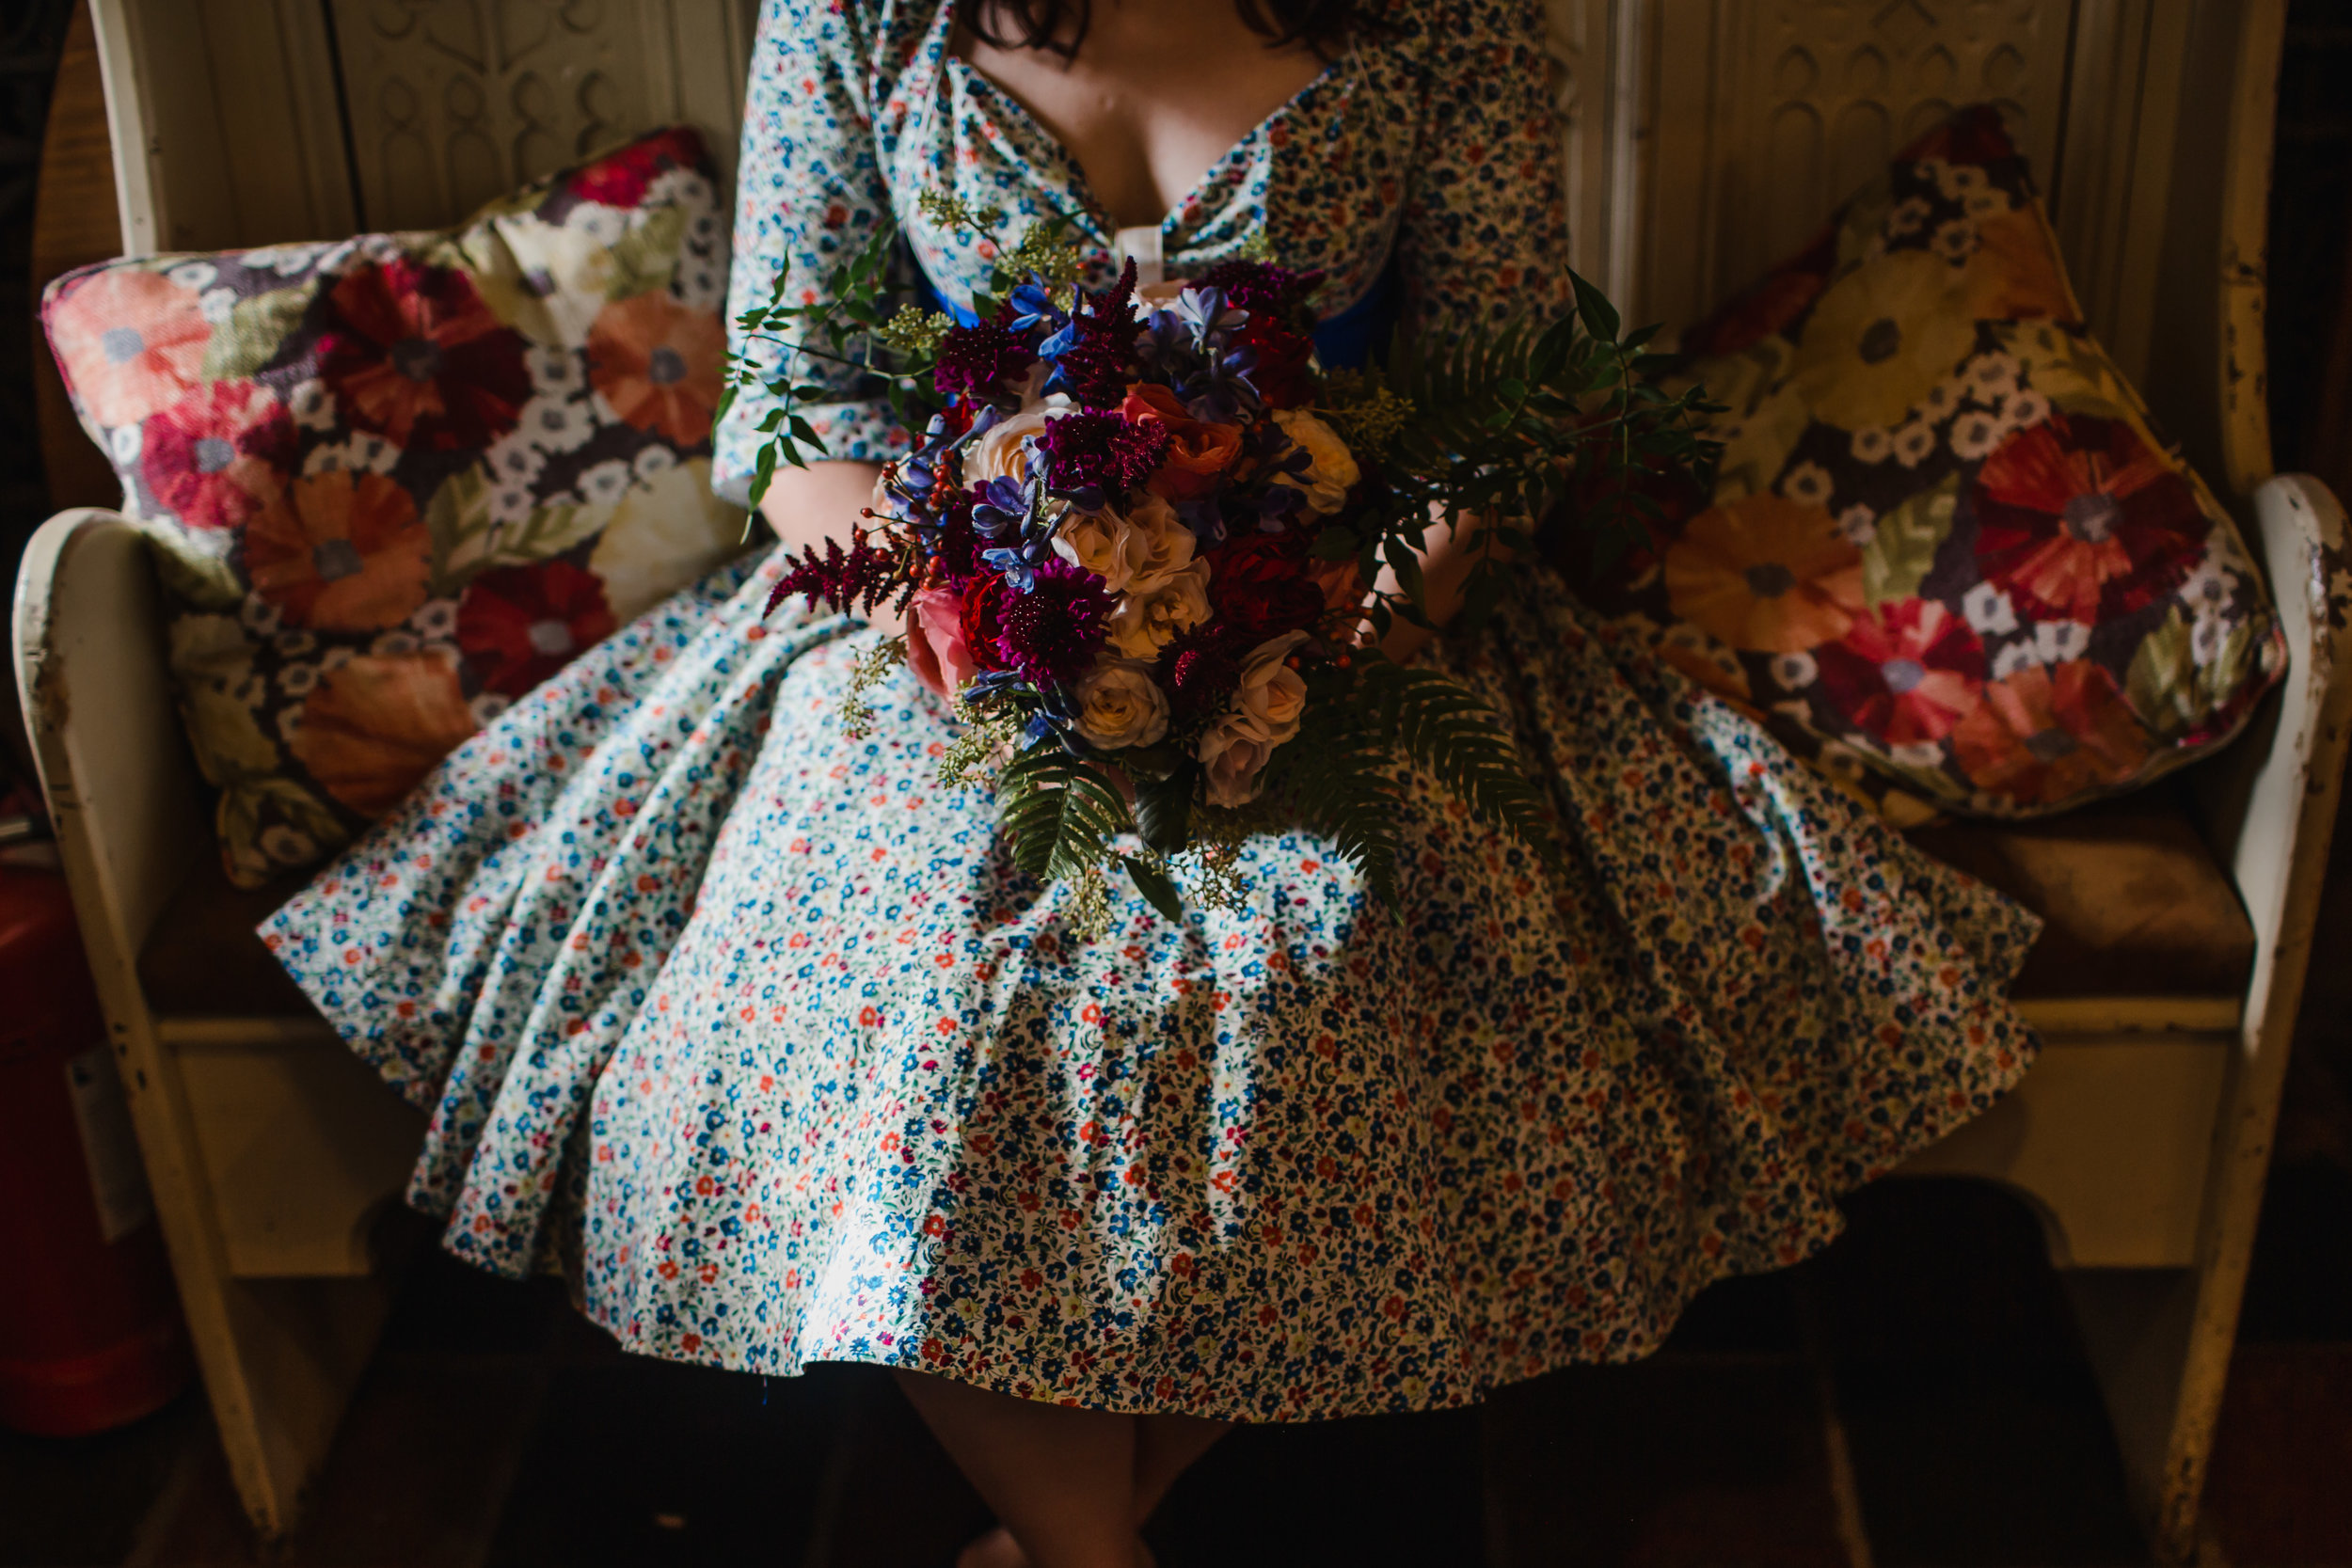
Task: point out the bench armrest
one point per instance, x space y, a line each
121 787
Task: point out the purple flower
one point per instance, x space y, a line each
1261 285
1052 632
1090 456
1094 356
978 361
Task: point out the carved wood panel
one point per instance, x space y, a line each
454 102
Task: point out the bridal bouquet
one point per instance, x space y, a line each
1138 546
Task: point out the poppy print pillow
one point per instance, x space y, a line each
1946 559
394 482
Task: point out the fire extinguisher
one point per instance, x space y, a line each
90 1334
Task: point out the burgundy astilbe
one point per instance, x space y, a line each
1107 452
1200 671
1051 633
864 575
1256 286
1100 360
980 359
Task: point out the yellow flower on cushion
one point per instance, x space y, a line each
1766 574
1882 337
667 530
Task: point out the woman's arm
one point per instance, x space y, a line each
809 195
808 506
1484 236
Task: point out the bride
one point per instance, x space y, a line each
755 1031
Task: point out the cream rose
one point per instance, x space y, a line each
1232 753
1332 471
1271 692
1120 704
1000 452
1163 544
1100 542
1143 623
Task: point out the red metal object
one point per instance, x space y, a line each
90 1335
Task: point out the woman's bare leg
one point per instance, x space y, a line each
1062 1480
1166 1445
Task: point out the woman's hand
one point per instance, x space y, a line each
1447 560
825 501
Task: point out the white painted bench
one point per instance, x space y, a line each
1702 140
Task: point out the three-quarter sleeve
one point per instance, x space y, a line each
1484 235
810 192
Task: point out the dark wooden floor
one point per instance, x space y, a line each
1915 1396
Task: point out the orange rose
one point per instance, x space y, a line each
1197 453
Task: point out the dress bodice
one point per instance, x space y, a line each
1427 145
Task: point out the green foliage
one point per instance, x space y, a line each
1062 812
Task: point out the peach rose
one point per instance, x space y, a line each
936 649
1197 453
1271 692
1135 553
1232 753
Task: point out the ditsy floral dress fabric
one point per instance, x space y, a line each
759 1034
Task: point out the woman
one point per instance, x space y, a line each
753 1027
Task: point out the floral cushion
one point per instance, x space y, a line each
1946 559
395 481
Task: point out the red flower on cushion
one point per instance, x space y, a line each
1974 135
620 179
214 456
414 355
129 341
340 551
659 364
519 624
2079 518
2046 735
1906 672
377 724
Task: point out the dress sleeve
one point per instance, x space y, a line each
1485 227
809 193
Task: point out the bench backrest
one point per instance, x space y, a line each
1702 139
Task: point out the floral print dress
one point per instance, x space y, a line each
754 1030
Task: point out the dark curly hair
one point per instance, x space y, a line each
1323 26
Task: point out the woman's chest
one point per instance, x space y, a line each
1319 178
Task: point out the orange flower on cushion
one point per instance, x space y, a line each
2079 518
2049 733
373 728
1906 672
340 551
659 364
130 342
2015 274
1765 574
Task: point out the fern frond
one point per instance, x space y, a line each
1062 812
1442 726
1335 776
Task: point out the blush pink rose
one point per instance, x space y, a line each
936 649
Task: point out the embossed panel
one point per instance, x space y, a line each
454 102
